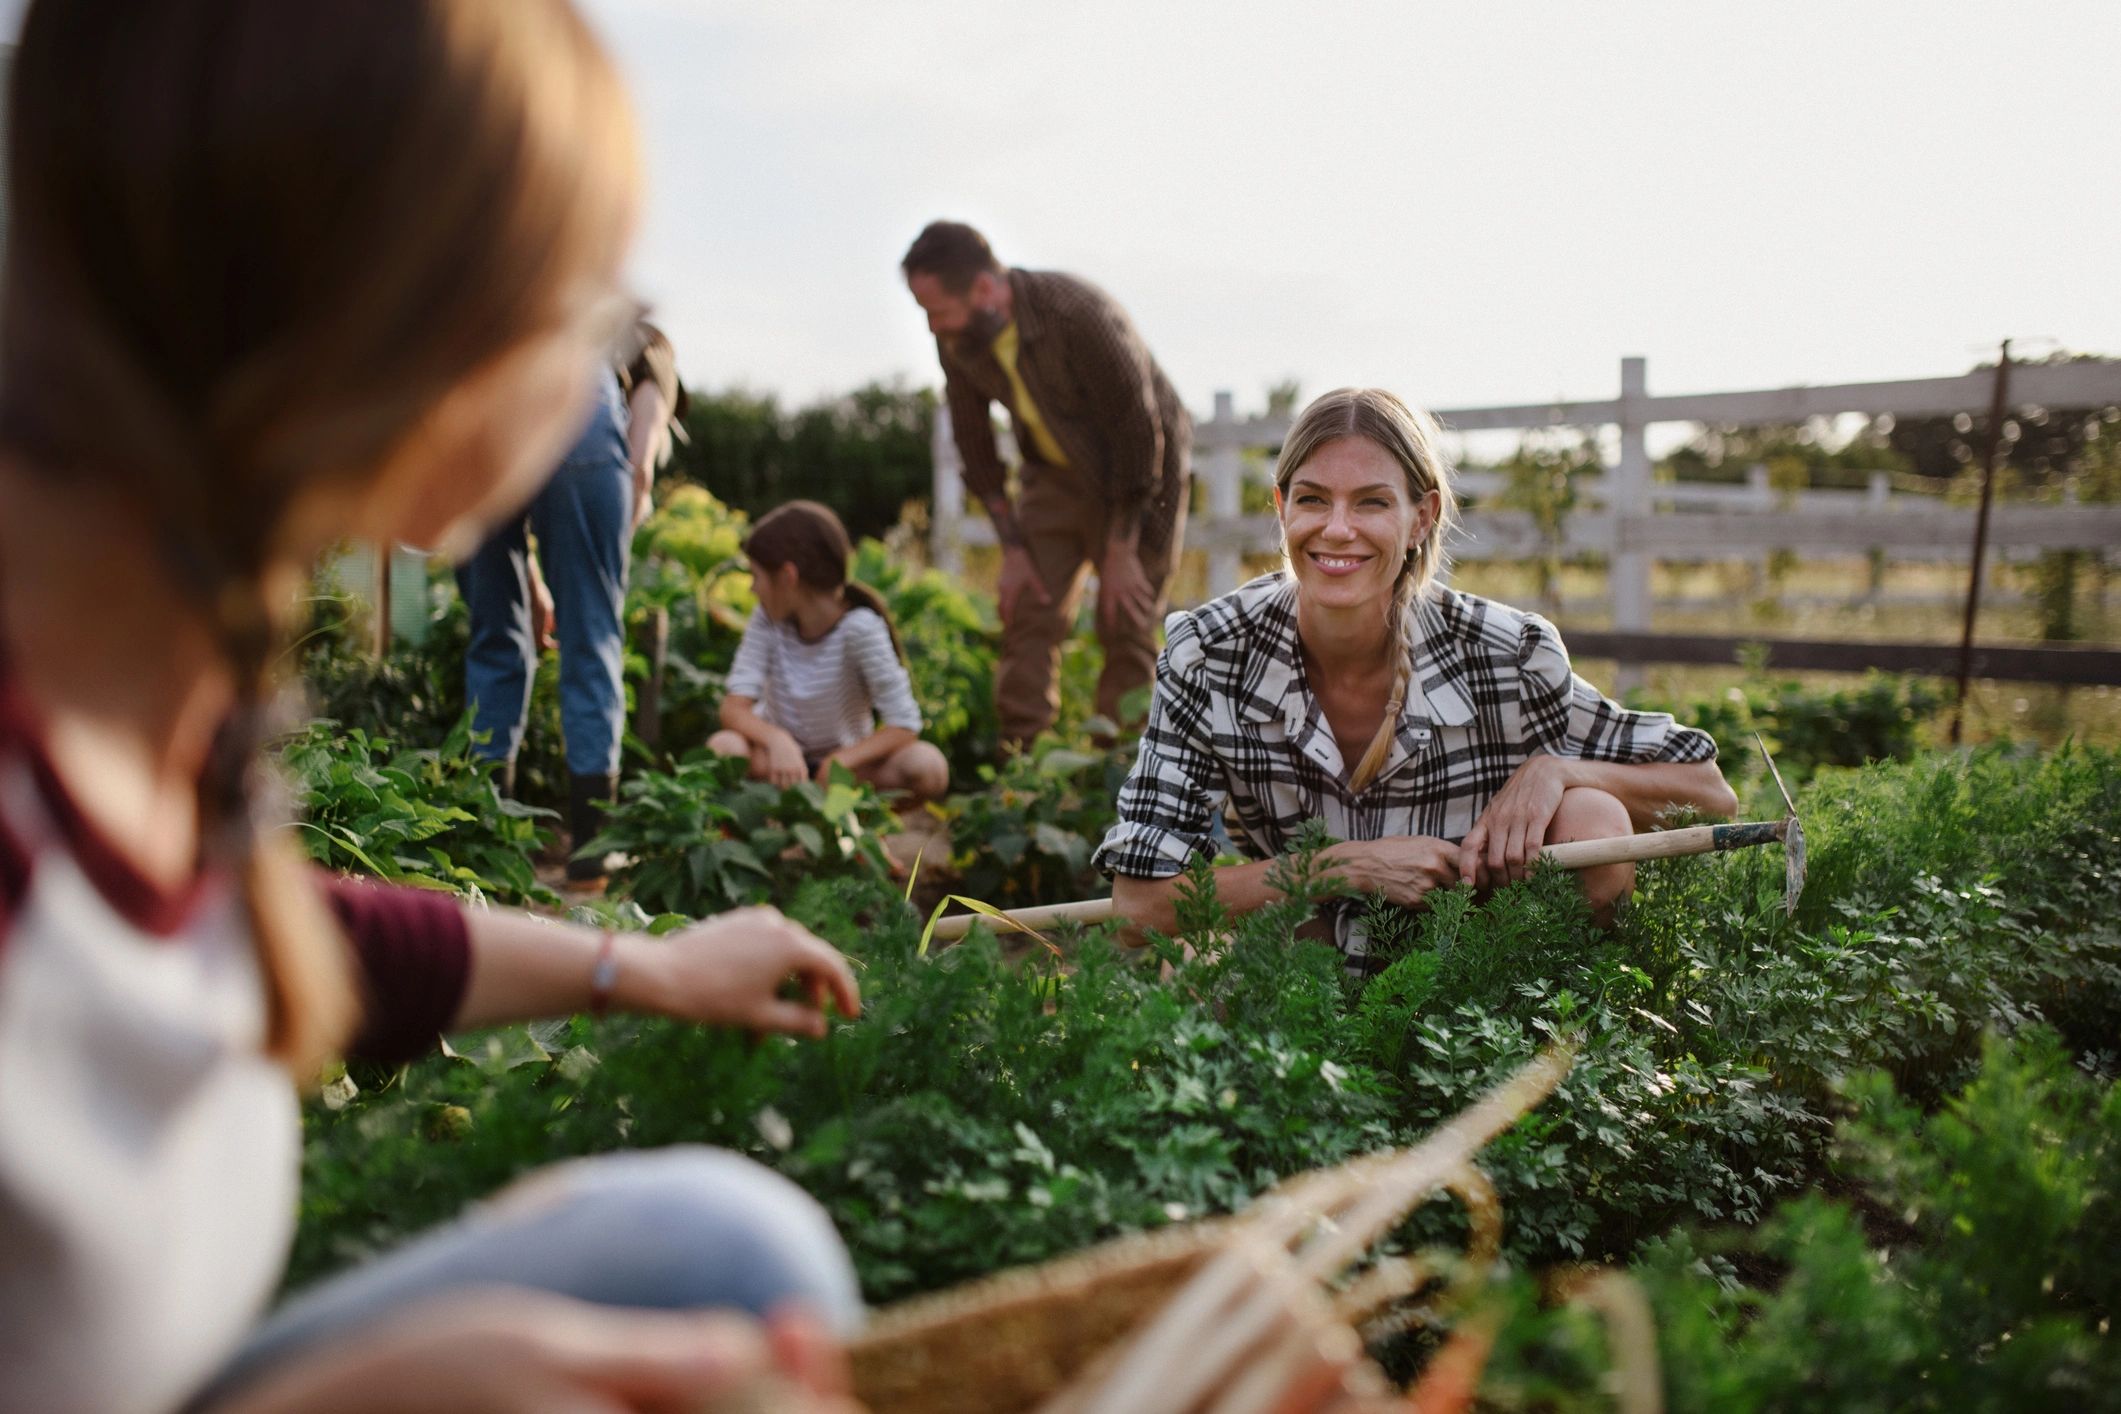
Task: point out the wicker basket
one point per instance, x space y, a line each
1010 1341
1220 1315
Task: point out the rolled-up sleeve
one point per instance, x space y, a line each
1566 716
1167 806
413 951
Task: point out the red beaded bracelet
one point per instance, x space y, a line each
604 976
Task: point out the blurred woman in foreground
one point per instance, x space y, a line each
278 275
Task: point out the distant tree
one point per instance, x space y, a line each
1540 478
2045 447
1796 455
865 454
1283 398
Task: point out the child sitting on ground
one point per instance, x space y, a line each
819 664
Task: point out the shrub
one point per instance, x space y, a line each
429 817
1879 719
980 1113
703 837
1990 1285
865 454
1026 836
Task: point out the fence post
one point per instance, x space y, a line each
1223 471
946 502
1627 496
1760 583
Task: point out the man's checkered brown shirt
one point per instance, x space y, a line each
1101 393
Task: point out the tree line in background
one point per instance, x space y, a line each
865 453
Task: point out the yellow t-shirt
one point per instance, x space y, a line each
1026 410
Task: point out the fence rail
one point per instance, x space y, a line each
2078 666
1634 521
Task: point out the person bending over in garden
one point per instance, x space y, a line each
1104 443
277 275
820 678
1441 737
573 586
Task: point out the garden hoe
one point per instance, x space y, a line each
1577 854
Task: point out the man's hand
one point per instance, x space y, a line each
497 1351
784 761
1124 594
1507 838
1401 867
1019 577
731 969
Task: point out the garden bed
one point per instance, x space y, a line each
981 1115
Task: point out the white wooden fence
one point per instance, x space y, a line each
1633 520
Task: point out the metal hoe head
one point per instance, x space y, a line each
1792 837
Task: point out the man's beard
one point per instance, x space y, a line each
980 330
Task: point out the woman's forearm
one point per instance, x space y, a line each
647 411
524 967
1240 888
1650 789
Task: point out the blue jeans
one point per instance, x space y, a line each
584 521
681 1228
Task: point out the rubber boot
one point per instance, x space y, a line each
587 796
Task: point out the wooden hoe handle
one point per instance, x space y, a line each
1577 854
1663 844
1086 912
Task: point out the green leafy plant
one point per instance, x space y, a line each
982 1112
1026 836
703 837
1879 719
426 816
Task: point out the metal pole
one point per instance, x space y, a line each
1996 412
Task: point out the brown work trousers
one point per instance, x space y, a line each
1061 513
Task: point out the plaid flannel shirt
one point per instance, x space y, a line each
1234 727
1098 388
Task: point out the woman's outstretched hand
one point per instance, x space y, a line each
733 970
500 1351
1506 839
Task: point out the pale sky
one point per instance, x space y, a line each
1466 202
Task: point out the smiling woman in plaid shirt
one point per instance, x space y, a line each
1472 742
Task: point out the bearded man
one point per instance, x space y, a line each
1105 446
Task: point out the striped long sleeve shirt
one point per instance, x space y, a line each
826 694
